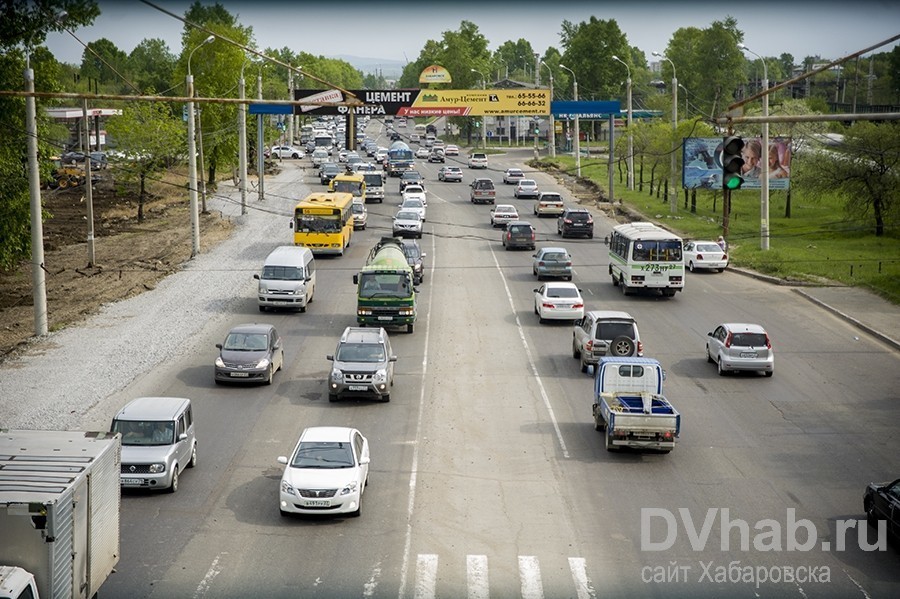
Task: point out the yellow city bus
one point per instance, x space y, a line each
323 222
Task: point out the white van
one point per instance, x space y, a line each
374 186
288 279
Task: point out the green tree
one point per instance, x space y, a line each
864 171
589 50
104 61
151 65
148 137
23 27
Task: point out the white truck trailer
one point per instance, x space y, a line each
629 406
59 512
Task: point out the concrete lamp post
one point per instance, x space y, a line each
577 124
483 119
552 133
192 152
673 196
764 158
629 159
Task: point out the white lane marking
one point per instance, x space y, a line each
426 576
534 370
414 468
477 577
372 583
213 571
530 577
583 586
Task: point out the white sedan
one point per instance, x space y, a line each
704 255
502 214
513 175
558 301
327 472
423 152
287 152
414 191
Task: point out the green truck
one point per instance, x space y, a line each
385 293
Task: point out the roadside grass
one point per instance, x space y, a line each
820 243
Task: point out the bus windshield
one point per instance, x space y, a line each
319 223
657 251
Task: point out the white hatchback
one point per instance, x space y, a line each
326 473
502 214
414 204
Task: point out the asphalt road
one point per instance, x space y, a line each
487 477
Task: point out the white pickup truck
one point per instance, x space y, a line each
629 407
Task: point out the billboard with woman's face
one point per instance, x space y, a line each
702 160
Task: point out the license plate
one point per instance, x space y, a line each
656 274
279 302
357 388
131 481
240 374
318 503
384 318
748 354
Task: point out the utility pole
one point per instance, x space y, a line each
89 186
260 141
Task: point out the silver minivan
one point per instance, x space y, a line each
158 442
288 279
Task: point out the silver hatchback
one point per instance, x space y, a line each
734 346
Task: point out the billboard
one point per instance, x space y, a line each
702 160
430 102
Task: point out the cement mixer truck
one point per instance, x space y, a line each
385 293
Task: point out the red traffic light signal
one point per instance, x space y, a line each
732 162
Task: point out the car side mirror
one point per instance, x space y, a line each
291 225
535 290
363 460
356 279
256 276
424 255
282 460
219 345
182 437
392 359
330 357
709 334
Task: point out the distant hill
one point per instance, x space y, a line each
390 69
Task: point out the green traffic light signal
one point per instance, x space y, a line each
732 162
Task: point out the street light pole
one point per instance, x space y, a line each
764 158
192 152
552 132
629 159
483 118
577 124
242 140
673 196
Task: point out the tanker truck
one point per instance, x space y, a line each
385 293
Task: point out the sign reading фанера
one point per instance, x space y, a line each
429 102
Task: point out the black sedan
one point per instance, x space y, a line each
882 502
251 353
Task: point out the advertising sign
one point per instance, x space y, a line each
435 74
702 160
428 102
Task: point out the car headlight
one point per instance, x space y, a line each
264 363
350 488
219 362
157 468
380 376
337 376
263 289
286 487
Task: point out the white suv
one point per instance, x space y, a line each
478 160
605 333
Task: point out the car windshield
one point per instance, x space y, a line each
357 208
246 342
555 256
611 330
360 352
282 273
323 454
748 340
657 251
407 215
145 432
561 292
384 285
412 252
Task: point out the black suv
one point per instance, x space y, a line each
575 221
411 178
414 256
518 234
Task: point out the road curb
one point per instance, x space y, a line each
862 326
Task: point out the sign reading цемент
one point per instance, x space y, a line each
430 102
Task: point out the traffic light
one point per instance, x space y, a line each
732 162
477 124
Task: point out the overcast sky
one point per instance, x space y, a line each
397 30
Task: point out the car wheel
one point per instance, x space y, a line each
283 513
332 397
386 397
174 486
691 266
722 371
409 328
769 373
622 346
708 357
356 513
576 349
584 367
270 374
262 308
624 287
609 444
193 462
569 278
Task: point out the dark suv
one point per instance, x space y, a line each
363 365
414 256
518 234
575 221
